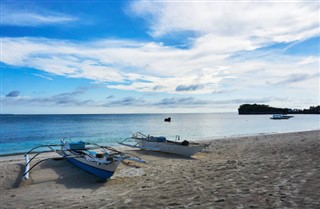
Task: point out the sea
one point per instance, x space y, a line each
20 133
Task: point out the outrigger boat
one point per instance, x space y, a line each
280 116
161 144
101 161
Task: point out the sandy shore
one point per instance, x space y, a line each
265 171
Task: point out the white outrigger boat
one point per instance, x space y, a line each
101 161
161 144
280 116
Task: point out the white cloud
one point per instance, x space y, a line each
26 17
223 29
254 21
310 60
223 44
151 67
42 76
148 67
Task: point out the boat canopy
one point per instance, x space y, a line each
77 145
157 139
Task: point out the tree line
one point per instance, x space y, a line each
266 109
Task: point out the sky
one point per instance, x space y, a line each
100 57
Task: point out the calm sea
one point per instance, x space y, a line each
19 133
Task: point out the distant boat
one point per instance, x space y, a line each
280 116
101 161
161 144
167 119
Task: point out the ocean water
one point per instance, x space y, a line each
20 133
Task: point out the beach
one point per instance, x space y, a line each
261 171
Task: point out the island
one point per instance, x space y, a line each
266 109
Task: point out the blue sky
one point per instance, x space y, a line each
157 56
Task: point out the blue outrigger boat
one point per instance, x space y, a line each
101 161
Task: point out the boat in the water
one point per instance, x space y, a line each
101 161
161 144
280 116
167 119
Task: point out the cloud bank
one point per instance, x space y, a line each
257 22
211 63
72 99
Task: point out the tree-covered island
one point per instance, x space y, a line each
266 109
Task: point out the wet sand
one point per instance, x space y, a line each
264 171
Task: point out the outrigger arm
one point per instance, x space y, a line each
28 160
137 146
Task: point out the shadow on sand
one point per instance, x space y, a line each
59 172
141 153
64 173
19 178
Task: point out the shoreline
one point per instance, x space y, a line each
261 171
206 139
236 136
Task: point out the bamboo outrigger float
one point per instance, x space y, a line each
161 144
102 163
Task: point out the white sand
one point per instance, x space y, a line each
265 171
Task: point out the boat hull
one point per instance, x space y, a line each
102 171
170 147
103 174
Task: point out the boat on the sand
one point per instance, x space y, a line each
161 144
101 161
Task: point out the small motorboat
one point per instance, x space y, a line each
161 144
167 119
280 116
101 161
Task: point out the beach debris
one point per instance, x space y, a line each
219 200
231 162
